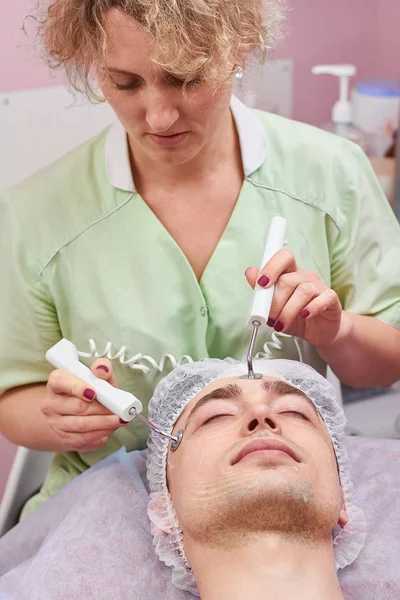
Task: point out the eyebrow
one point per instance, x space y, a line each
115 71
228 392
121 72
232 391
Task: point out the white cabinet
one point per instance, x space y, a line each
39 126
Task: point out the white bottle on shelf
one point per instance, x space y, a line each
342 111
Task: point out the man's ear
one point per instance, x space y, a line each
157 512
156 532
343 518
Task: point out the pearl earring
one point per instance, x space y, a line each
239 73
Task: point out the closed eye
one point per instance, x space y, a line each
215 417
137 84
296 414
132 85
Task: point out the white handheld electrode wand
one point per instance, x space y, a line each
126 406
262 300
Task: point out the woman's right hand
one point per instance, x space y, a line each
74 414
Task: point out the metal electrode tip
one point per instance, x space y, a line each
175 440
175 445
251 374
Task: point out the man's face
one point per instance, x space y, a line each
164 125
255 457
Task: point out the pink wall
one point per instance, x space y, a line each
20 68
389 38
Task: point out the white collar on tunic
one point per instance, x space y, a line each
252 136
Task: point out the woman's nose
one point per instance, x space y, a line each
261 417
161 114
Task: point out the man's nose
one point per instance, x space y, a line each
161 112
261 417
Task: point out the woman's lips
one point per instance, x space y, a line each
169 140
267 445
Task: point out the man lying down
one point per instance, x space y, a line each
256 501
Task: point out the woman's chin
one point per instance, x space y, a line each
173 156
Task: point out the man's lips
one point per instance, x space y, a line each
264 443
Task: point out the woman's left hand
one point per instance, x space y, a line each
303 305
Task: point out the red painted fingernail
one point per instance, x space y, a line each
271 322
279 326
104 368
123 422
89 394
305 313
263 281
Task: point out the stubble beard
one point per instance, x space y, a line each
289 509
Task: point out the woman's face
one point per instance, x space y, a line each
162 123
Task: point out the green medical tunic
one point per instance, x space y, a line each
83 257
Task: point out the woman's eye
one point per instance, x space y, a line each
214 418
194 82
296 414
132 85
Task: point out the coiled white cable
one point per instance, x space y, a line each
134 364
276 344
133 361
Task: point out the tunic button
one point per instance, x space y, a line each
204 311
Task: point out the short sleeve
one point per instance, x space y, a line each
365 265
28 322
